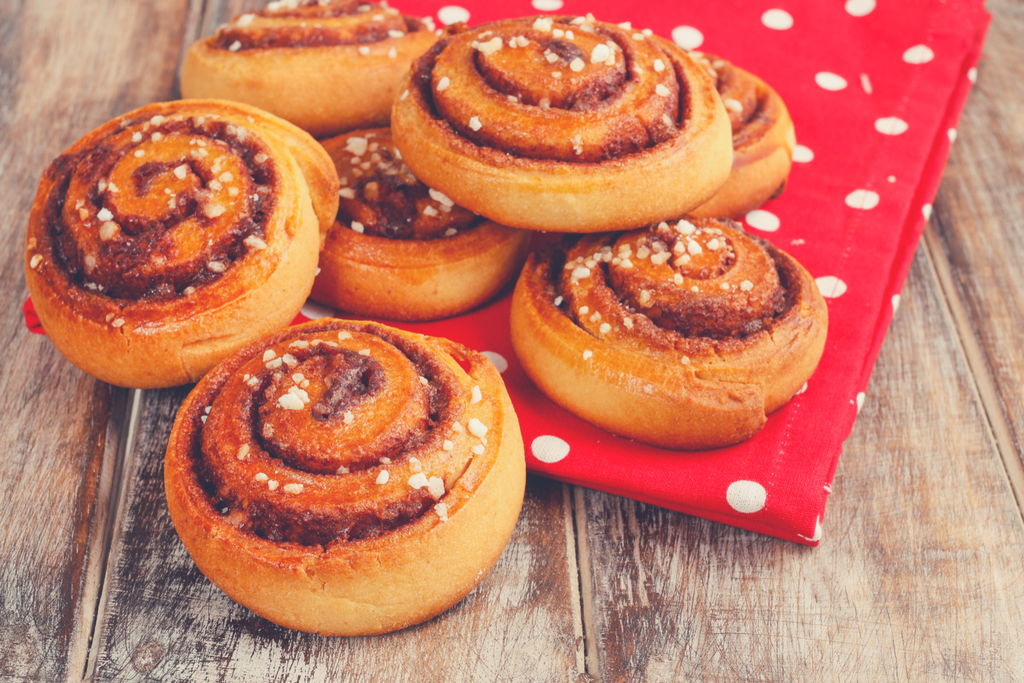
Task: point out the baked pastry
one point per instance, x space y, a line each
762 137
327 66
402 251
174 235
682 335
346 478
563 124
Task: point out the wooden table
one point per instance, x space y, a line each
920 576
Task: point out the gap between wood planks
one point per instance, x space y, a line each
120 445
587 661
982 377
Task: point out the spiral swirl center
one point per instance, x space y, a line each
586 91
161 205
547 72
340 432
703 278
337 408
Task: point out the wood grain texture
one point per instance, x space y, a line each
65 67
162 620
979 230
918 577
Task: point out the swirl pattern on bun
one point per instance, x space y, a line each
401 250
174 235
563 124
324 476
763 140
682 335
326 66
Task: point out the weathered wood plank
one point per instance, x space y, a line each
918 576
65 67
162 620
978 235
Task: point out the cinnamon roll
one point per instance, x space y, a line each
325 65
682 335
174 235
402 251
563 124
346 478
763 139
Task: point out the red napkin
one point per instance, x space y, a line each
875 91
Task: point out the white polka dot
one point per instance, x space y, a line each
746 496
895 303
952 135
687 37
926 211
972 75
497 360
547 5
919 54
830 286
862 199
314 311
778 19
452 14
860 401
829 81
763 220
801 389
891 125
802 155
859 8
549 449
891 179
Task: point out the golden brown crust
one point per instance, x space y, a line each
327 68
401 250
741 326
274 476
629 131
174 235
763 140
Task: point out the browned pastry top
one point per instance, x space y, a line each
563 124
754 108
381 197
693 287
685 334
310 23
334 432
556 88
158 206
150 210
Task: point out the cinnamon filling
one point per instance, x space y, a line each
318 409
382 197
154 209
312 24
586 92
696 279
744 97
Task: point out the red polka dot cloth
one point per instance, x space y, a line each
875 88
